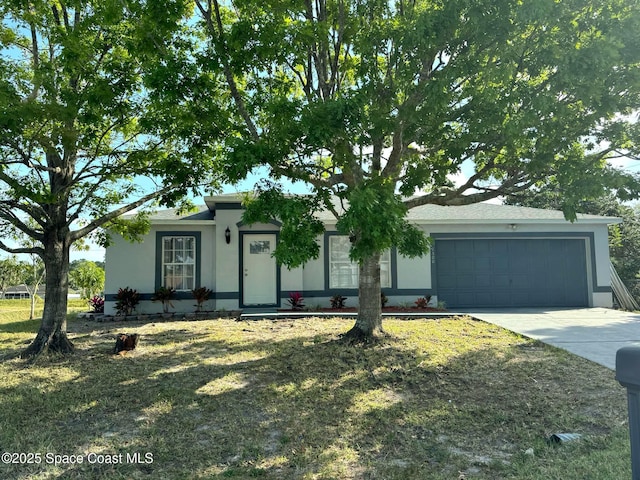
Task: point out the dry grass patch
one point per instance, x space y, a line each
438 399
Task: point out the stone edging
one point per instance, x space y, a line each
100 317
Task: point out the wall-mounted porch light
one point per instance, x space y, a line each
227 235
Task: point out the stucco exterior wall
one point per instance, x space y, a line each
227 258
130 265
414 273
313 274
134 265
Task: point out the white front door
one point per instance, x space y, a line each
259 269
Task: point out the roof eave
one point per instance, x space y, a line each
182 222
503 221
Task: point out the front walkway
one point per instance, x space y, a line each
593 333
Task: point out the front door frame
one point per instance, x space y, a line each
243 237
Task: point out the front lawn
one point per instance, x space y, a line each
438 399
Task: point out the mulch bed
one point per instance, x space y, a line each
354 309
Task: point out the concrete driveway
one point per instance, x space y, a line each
593 333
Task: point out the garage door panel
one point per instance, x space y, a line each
457 298
556 282
485 300
491 299
447 281
520 297
468 281
501 281
447 264
447 250
511 272
482 263
518 262
481 248
498 247
464 264
521 280
500 264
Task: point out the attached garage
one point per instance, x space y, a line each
512 272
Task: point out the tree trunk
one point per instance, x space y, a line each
52 336
369 321
33 290
32 309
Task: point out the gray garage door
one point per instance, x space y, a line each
511 273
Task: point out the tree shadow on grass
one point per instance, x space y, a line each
23 326
295 406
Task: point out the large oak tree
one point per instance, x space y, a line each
78 142
378 103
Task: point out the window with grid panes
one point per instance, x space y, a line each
343 273
179 263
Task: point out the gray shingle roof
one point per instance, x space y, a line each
491 212
486 213
474 213
202 213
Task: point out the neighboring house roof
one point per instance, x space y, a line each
425 214
22 288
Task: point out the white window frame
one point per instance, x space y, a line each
340 261
184 279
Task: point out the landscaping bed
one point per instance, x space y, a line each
413 310
204 315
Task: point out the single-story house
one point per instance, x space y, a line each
19 292
483 255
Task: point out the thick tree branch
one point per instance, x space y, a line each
337 48
394 163
304 82
16 185
98 222
33 210
35 60
56 15
65 15
26 250
458 196
216 31
8 214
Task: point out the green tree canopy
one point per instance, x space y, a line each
378 103
76 145
10 273
88 277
